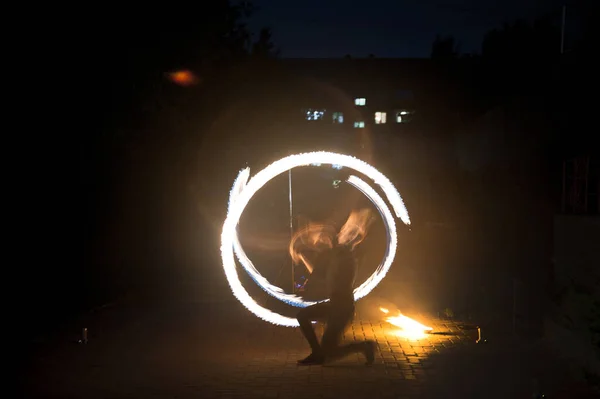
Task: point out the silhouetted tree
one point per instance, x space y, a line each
263 46
446 108
519 57
574 112
444 48
129 51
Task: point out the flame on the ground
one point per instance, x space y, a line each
409 328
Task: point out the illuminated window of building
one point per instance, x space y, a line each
359 125
380 118
360 101
338 117
314 114
403 116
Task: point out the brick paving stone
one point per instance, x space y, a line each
194 349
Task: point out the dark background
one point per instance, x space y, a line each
147 164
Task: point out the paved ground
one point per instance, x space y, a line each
187 347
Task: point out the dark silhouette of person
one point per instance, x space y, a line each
338 312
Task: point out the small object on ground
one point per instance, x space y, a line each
480 339
536 390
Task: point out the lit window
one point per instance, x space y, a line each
360 101
314 114
359 125
338 117
380 118
403 116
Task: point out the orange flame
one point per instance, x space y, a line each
409 328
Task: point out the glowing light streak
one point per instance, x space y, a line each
243 190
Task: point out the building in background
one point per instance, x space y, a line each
384 93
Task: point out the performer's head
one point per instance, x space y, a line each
354 231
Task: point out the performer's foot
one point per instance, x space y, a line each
370 352
311 359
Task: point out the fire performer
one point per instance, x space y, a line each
339 312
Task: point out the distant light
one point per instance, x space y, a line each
183 78
315 115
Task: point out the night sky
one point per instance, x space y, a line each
387 28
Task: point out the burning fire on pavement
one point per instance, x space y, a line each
408 328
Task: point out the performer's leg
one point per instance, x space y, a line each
367 348
305 318
332 337
338 321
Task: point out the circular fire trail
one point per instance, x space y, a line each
244 188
